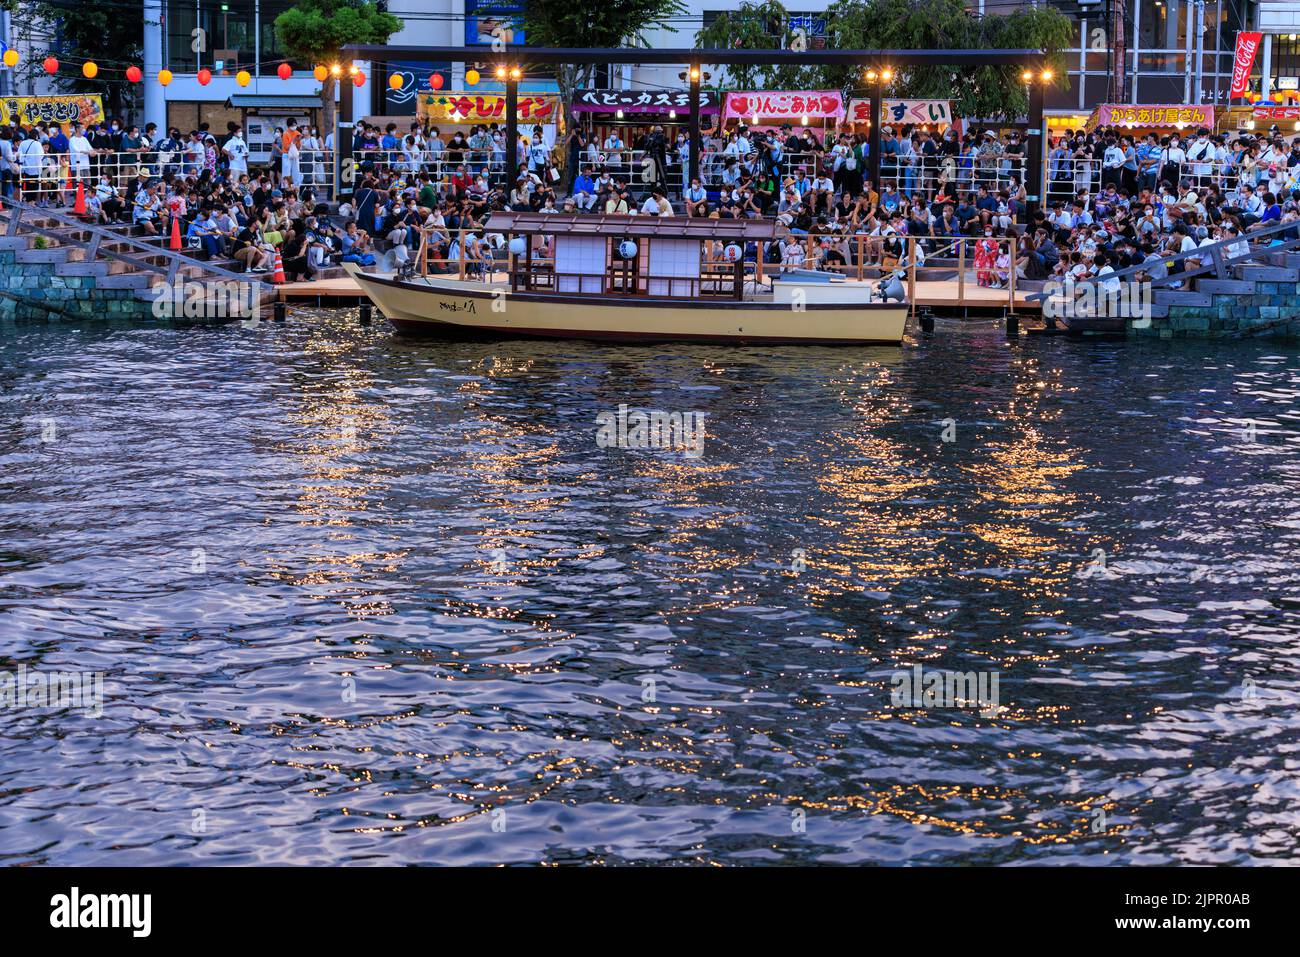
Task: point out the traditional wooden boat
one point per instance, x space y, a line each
635 279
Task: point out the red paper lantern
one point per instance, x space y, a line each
204 77
358 79
133 74
51 65
284 70
436 80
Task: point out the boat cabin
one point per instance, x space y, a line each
653 257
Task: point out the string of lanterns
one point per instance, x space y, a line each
133 74
1277 96
90 70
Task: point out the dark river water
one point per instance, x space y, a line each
356 598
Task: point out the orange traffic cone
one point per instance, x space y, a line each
277 275
176 232
80 206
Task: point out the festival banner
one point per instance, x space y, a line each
64 110
641 101
485 108
1156 115
1275 113
908 112
814 104
1243 61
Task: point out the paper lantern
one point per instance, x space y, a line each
51 65
164 77
11 58
395 81
358 79
627 249
321 73
284 71
89 70
204 76
243 78
471 77
731 253
435 80
133 74
518 246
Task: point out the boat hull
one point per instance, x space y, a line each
459 308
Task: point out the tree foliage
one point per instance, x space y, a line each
994 91
111 35
315 31
566 23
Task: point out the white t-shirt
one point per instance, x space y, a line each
237 150
79 150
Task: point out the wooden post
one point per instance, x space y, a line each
961 270
693 135
911 275
758 262
1011 275
512 132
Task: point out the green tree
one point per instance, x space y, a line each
315 32
764 25
565 23
110 35
993 91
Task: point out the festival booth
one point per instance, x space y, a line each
448 110
1141 119
764 110
1261 118
602 109
65 110
931 116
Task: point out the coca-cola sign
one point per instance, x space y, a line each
1243 61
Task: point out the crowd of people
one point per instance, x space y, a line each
1114 199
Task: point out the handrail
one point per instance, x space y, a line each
17 208
1219 264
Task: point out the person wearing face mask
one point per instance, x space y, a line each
236 151
695 198
1172 157
79 150
986 257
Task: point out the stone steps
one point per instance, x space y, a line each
1180 297
1257 273
1233 287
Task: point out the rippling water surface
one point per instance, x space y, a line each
363 599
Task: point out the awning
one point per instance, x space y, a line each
272 101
